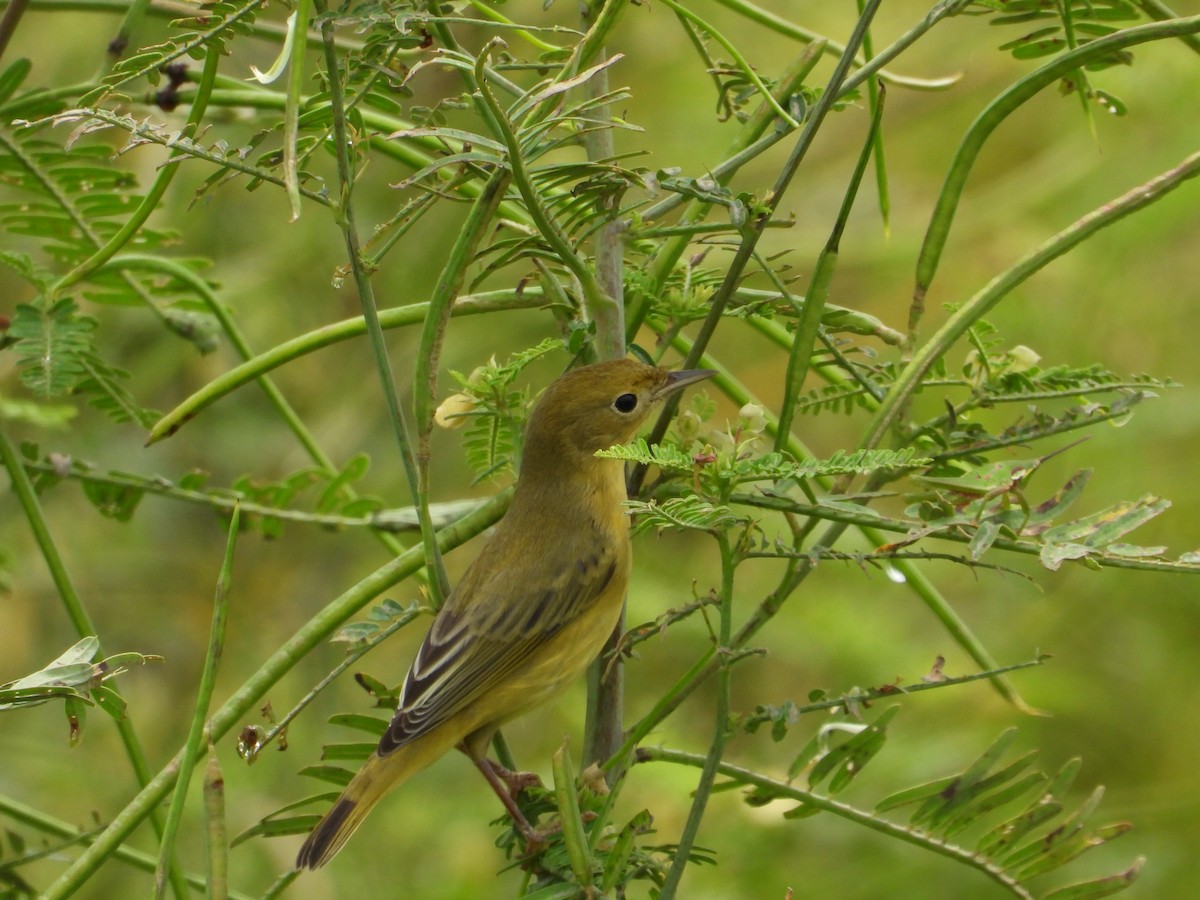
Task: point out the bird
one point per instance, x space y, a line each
534 608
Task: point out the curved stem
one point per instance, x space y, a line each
70 833
780 25
842 810
721 727
413 314
249 695
1004 283
995 113
761 216
80 619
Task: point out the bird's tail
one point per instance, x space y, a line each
376 778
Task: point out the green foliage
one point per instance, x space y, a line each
51 343
387 120
733 466
493 411
1008 821
78 679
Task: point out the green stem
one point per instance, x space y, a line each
874 67
876 92
803 342
1000 286
842 810
386 521
761 216
425 380
593 294
1160 12
780 25
366 297
79 617
134 13
995 113
166 9
295 90
721 729
872 524
739 60
297 347
489 12
27 815
247 697
194 745
748 143
216 839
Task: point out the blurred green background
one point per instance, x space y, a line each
1117 690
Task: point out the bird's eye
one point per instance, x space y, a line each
626 403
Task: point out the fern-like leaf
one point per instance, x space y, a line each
53 345
102 387
693 513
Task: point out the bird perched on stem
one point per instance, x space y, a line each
534 609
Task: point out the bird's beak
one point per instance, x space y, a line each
681 378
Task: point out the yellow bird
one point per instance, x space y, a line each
535 608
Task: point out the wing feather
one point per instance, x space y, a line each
489 627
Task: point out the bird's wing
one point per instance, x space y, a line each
492 624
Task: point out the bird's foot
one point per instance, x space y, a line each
516 781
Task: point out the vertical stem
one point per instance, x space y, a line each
8 24
295 90
874 101
366 296
805 338
762 215
425 381
79 617
606 676
669 252
208 678
721 730
215 835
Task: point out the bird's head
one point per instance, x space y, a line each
594 407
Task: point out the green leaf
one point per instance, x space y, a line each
966 784
844 762
616 863
110 701
370 724
1099 887
12 77
282 827
333 774
113 501
355 752
1106 526
694 513
52 345
913 794
991 801
1056 847
103 390
76 712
